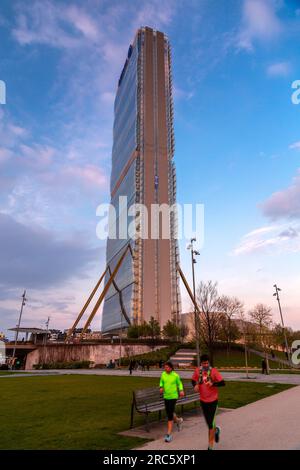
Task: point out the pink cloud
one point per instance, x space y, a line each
5 154
88 175
83 22
285 203
37 155
45 22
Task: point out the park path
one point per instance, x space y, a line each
292 379
269 424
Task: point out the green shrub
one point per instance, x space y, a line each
63 365
152 358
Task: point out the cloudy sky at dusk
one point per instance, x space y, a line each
237 144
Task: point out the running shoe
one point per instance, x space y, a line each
217 434
168 438
179 424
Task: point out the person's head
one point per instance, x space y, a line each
204 361
168 366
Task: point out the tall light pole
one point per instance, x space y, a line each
196 319
277 290
121 318
18 325
45 338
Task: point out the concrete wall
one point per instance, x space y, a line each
97 353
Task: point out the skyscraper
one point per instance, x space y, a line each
147 284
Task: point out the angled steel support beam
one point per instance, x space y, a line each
71 330
105 290
187 288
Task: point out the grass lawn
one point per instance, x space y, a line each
87 412
236 358
258 371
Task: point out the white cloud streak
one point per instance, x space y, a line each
270 240
260 23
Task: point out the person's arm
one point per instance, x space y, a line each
217 379
180 386
221 383
161 385
195 379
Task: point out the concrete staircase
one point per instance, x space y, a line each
183 358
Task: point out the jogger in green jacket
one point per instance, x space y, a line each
171 387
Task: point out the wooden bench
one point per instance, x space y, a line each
149 400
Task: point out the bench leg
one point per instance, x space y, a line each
131 416
182 409
159 415
147 423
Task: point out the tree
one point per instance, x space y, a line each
154 328
210 318
144 330
262 317
278 336
184 331
171 330
230 308
133 331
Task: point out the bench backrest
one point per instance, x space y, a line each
147 396
151 395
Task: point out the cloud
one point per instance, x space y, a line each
289 233
5 154
33 257
295 146
271 239
285 203
280 69
260 23
179 93
54 24
88 175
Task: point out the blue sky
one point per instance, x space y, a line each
237 144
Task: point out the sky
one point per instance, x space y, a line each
237 136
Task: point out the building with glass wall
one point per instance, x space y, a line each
147 284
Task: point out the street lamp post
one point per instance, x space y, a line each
45 339
196 319
120 343
18 325
277 290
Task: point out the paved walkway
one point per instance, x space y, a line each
269 424
293 379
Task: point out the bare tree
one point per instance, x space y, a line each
262 317
210 318
184 331
231 308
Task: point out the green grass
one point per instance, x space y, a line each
236 394
236 358
258 371
87 412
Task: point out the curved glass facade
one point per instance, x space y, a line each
143 172
124 145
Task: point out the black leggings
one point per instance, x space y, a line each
170 408
209 412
